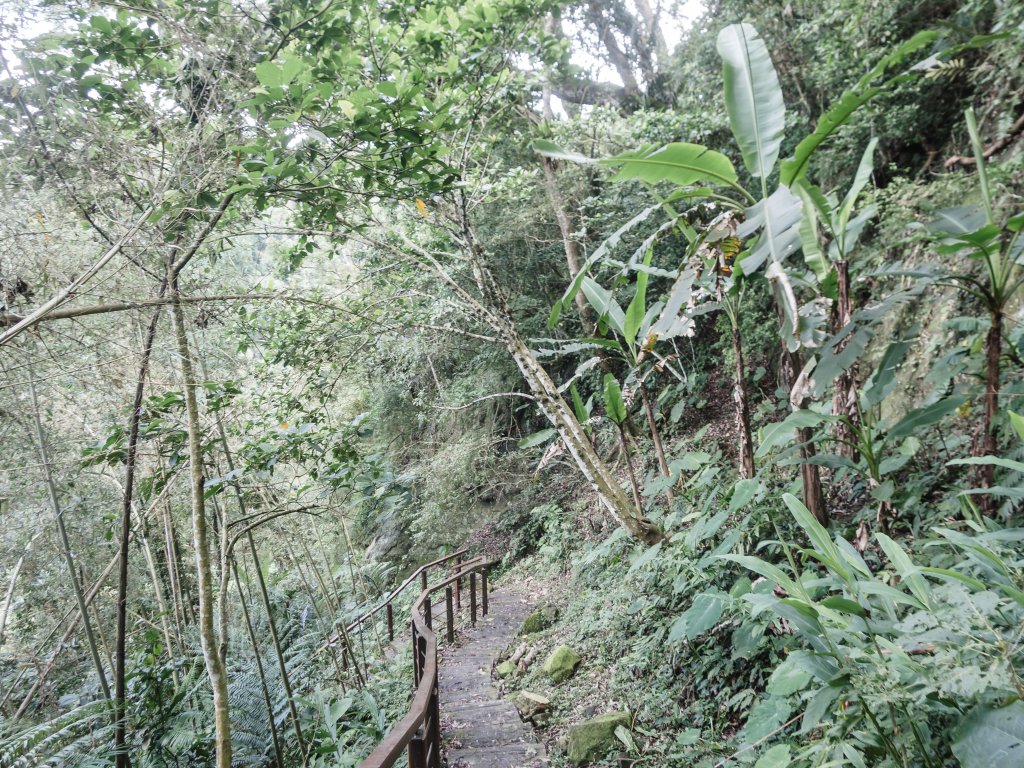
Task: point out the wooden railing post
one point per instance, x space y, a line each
472 598
423 579
450 614
483 592
426 613
458 585
417 752
391 622
415 658
435 730
421 651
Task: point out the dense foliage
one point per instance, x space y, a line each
714 323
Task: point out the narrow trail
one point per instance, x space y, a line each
479 729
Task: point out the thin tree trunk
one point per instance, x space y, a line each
810 475
161 598
259 666
569 242
173 574
327 564
9 599
739 394
220 514
627 455
320 617
123 759
988 445
108 657
69 561
215 668
328 599
275 638
844 397
659 450
264 593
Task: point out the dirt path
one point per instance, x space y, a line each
479 729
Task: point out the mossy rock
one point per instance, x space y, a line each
531 704
562 663
592 739
540 619
505 669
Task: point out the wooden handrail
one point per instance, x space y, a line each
419 732
391 596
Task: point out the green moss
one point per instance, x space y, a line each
593 739
562 663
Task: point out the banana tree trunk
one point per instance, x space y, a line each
742 406
844 396
659 449
810 475
988 445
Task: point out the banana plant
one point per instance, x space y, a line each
875 443
974 233
824 213
771 218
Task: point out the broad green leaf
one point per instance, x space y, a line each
613 402
766 569
889 593
1016 466
905 568
860 179
555 152
269 74
743 492
537 438
839 113
765 716
947 573
962 220
783 432
776 757
814 256
601 300
844 605
818 707
1018 423
753 98
881 382
679 163
920 418
637 308
788 678
645 557
778 218
819 537
582 414
674 320
989 737
702 615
